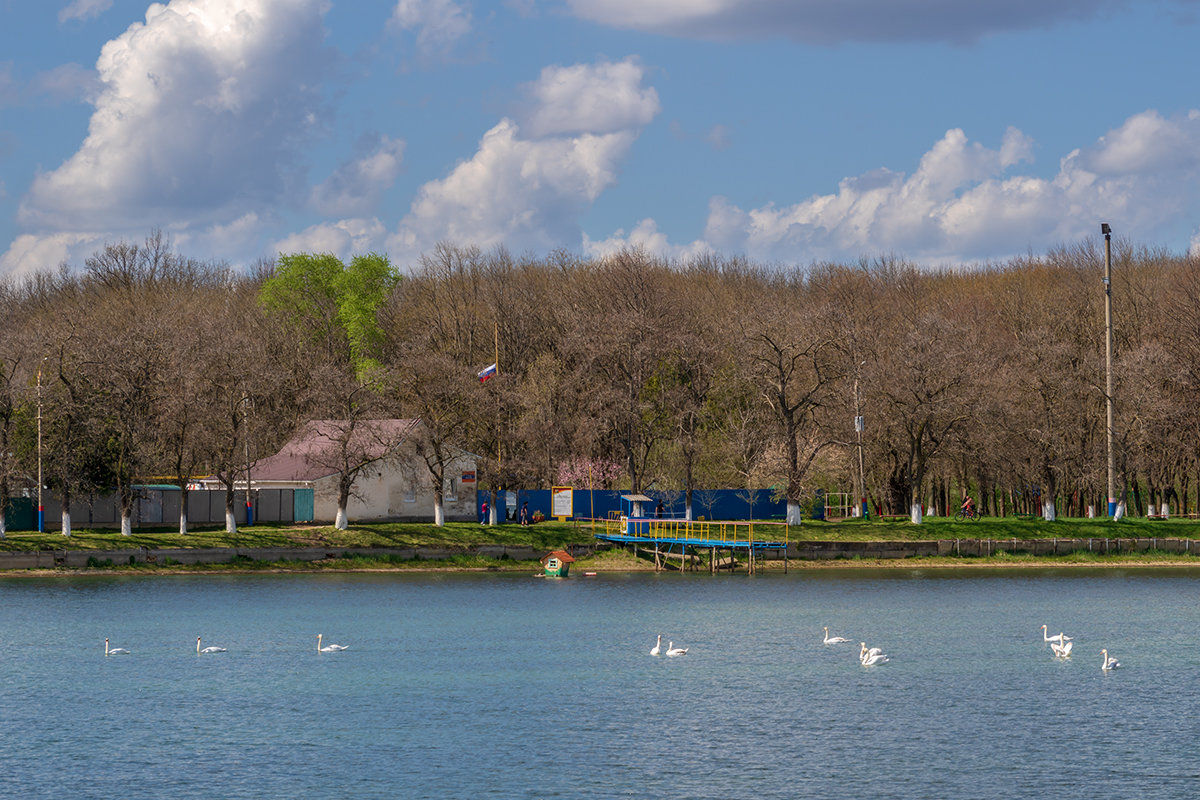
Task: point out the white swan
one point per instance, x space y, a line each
330 648
834 639
209 649
116 651
672 650
1062 650
1058 637
864 652
1109 661
657 646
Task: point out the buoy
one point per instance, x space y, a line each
590 574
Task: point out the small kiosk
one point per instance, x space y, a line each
557 563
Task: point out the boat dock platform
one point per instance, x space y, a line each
697 542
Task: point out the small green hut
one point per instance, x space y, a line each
557 563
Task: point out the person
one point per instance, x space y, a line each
968 506
483 513
659 510
525 514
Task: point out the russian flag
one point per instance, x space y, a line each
487 373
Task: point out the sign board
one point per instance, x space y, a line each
562 502
468 477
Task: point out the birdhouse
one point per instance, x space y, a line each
557 563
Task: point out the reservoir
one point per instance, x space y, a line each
510 686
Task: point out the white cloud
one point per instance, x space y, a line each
963 204
528 189
826 22
355 187
646 236
197 119
344 238
590 98
438 23
84 9
31 253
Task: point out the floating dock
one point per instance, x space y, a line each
696 542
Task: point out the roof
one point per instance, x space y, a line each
637 498
324 447
561 555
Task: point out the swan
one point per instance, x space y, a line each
871 659
672 650
1062 650
209 649
1058 637
657 646
1109 661
865 651
834 639
116 651
330 648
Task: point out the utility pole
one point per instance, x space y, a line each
1108 381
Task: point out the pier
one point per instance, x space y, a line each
694 543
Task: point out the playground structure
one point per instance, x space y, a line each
691 541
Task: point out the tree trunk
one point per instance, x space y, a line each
340 522
914 512
66 521
1048 513
794 516
230 517
183 518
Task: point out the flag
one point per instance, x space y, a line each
487 373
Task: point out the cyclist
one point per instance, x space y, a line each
968 507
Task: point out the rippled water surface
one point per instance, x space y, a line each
508 686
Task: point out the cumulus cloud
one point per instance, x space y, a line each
84 9
589 98
343 239
528 188
964 202
825 22
356 186
438 24
198 115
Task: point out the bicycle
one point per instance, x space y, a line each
965 514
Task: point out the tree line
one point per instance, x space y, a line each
627 371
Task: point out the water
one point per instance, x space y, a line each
506 686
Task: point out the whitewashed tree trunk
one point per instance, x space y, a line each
439 513
493 509
341 522
1164 510
1091 512
183 518
687 511
794 517
1048 513
230 521
932 512
3 523
1119 513
126 524
915 513
66 522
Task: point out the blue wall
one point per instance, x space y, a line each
726 506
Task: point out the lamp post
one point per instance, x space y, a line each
41 514
1108 386
858 430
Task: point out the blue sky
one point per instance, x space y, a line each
789 131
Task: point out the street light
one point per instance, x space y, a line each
41 518
1108 386
858 429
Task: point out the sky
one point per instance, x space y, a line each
941 132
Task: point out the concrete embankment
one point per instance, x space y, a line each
804 550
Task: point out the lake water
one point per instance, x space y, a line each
508 686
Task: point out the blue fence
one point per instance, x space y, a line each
724 504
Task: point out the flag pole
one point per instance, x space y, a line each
496 353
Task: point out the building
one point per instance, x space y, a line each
390 478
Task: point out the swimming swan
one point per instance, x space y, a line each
864 652
1058 637
657 646
834 639
116 651
1062 650
330 648
209 649
672 650
1109 662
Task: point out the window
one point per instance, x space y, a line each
452 488
410 493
